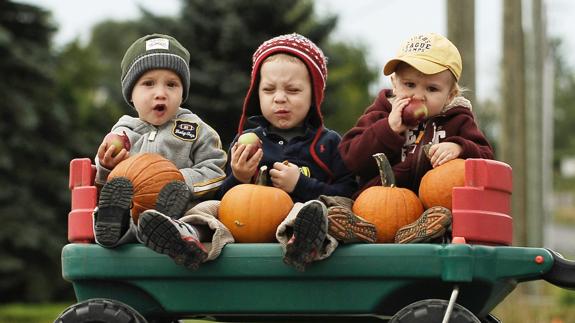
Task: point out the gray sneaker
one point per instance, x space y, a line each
173 199
309 232
171 237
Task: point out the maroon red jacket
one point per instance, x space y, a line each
372 134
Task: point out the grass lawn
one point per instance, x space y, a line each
30 313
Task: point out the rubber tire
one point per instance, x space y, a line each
100 310
433 310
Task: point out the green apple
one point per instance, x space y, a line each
252 141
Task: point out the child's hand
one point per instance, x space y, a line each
394 118
285 176
242 167
441 153
105 157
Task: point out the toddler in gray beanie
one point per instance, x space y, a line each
155 51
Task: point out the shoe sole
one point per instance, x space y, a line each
348 227
309 231
173 199
159 234
432 224
114 205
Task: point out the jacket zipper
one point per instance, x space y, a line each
152 135
418 167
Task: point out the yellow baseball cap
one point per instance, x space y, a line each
428 53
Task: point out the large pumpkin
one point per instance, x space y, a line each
252 212
148 173
437 184
388 207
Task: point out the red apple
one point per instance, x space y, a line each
252 141
413 113
118 141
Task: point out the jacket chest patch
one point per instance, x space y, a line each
185 130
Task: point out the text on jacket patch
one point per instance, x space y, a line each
185 130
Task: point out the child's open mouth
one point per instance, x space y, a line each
160 107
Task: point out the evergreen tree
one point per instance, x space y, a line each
33 158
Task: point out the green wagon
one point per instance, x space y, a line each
456 282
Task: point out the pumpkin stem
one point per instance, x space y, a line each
385 171
262 177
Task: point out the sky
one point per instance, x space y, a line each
381 26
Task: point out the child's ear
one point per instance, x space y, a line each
393 80
454 92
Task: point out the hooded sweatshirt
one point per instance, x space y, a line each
193 146
372 134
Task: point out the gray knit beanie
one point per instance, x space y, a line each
150 52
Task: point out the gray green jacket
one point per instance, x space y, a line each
193 146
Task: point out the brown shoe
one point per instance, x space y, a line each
345 226
431 224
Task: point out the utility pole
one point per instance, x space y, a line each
461 31
513 142
537 123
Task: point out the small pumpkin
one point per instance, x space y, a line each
437 185
252 212
388 207
149 173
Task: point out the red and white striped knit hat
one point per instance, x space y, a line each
312 56
300 47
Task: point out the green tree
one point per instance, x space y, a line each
564 115
564 101
347 91
33 158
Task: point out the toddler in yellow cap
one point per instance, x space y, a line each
426 69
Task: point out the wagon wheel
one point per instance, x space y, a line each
433 310
99 310
490 319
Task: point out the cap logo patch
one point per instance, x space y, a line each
157 43
417 44
186 130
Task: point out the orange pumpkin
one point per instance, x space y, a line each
437 184
148 173
388 207
252 212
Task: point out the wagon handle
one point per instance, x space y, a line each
451 303
562 273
